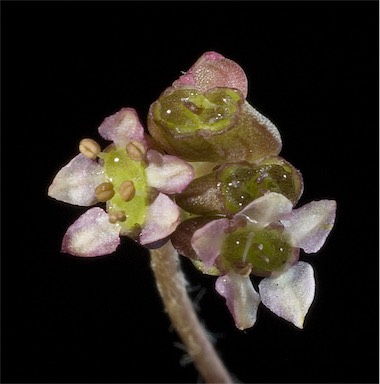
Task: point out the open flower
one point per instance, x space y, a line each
133 180
262 240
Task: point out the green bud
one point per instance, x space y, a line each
218 125
231 187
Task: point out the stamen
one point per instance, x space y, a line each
121 216
127 190
89 148
135 150
114 217
104 192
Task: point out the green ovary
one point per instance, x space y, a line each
265 249
119 167
188 110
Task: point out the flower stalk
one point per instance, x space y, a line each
171 285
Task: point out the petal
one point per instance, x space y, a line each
75 183
207 241
169 174
310 225
214 70
91 235
266 209
241 298
122 127
161 220
290 294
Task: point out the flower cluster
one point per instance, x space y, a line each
207 177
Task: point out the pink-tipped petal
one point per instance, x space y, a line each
310 225
207 241
122 127
290 294
168 174
241 298
266 209
75 183
214 70
91 235
161 220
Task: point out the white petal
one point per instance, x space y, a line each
122 127
91 235
290 294
75 183
266 209
207 241
168 174
161 220
241 298
310 225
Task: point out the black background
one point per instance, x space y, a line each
312 69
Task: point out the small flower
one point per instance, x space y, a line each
204 116
134 182
262 240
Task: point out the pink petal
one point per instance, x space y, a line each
310 225
122 127
75 183
207 241
214 70
241 298
168 174
266 209
91 235
290 294
161 220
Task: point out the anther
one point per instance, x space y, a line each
127 190
135 150
104 192
121 216
89 148
114 217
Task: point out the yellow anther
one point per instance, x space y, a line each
104 192
89 148
135 150
127 190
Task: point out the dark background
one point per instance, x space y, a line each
312 69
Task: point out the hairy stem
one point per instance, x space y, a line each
171 285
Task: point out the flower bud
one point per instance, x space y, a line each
231 187
217 125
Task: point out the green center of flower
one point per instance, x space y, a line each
265 250
129 184
188 110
